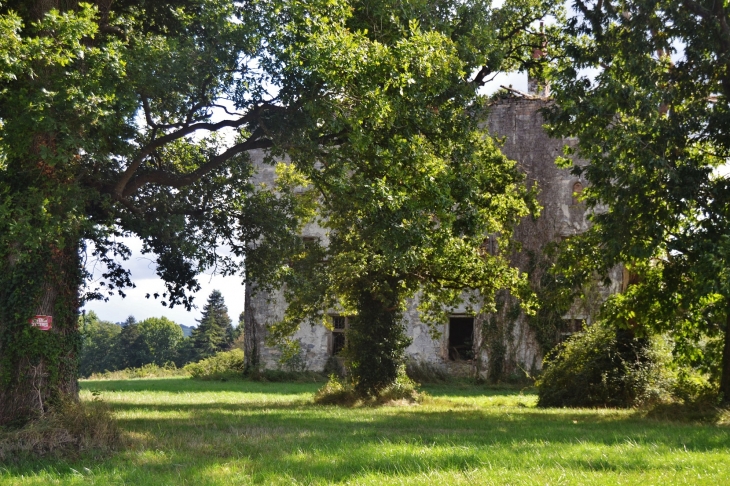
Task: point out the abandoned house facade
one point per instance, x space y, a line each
499 344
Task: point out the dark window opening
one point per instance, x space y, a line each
461 338
309 241
337 341
571 327
338 322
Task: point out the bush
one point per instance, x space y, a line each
402 389
339 391
336 391
221 366
605 367
150 370
73 427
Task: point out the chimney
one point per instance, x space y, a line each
537 86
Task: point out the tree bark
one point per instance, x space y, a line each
250 332
725 370
38 369
376 339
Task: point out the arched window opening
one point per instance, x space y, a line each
577 189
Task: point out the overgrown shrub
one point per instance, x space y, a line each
222 365
605 367
72 427
402 389
341 391
150 370
337 391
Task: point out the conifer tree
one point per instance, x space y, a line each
215 330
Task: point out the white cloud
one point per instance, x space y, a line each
144 277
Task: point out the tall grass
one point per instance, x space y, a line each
71 429
150 370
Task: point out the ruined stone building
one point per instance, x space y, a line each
499 344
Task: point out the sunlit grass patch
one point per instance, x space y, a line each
180 431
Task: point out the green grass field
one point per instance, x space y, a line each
184 432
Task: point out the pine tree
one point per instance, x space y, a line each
215 329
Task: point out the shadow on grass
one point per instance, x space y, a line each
177 443
466 390
189 385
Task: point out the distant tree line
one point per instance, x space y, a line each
109 346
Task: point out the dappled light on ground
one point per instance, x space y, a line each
181 431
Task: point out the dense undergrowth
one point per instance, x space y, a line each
342 391
607 367
70 429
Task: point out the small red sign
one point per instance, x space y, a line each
41 322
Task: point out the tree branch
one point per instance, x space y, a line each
121 186
169 179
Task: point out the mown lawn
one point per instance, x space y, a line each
184 432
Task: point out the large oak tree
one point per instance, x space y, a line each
645 86
409 199
111 114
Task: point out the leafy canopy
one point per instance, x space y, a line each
410 185
645 87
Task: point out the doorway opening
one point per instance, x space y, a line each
461 338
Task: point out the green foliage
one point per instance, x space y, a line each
149 370
99 108
605 367
222 365
155 341
130 350
410 184
97 349
653 122
402 389
161 337
343 391
108 130
376 341
554 292
337 391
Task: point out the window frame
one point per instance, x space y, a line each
335 331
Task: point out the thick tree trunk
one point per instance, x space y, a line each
376 340
40 269
725 371
250 332
38 369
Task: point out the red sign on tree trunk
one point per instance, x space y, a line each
41 322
